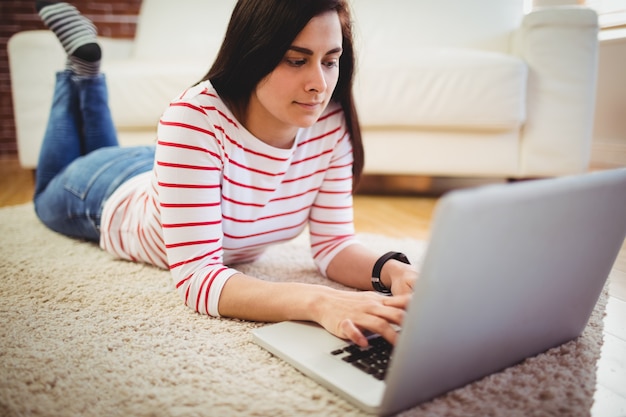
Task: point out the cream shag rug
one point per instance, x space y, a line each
82 334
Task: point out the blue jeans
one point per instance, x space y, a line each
80 162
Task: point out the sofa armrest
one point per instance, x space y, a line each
560 46
34 57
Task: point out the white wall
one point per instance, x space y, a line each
610 120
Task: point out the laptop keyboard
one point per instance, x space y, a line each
372 360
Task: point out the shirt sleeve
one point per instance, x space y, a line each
189 163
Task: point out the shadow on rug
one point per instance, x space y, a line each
82 334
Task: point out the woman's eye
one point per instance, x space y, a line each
296 62
299 62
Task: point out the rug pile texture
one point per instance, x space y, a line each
83 334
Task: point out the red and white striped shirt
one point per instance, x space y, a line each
219 196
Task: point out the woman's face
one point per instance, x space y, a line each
296 92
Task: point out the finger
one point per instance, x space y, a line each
392 309
390 334
352 333
382 327
386 319
385 315
397 301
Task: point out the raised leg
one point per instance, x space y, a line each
61 143
80 120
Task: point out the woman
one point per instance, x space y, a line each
265 145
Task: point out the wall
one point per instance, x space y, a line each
114 18
610 120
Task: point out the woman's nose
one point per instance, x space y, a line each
316 81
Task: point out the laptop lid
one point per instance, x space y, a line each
510 271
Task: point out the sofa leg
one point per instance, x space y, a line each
391 184
514 180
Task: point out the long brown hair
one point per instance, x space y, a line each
259 34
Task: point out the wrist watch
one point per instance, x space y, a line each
378 266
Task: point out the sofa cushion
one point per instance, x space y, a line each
442 88
409 24
181 29
140 90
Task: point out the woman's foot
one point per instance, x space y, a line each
77 34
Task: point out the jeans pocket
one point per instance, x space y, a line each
80 178
101 172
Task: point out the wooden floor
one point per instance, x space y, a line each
410 216
16 184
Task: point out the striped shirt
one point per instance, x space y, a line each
218 196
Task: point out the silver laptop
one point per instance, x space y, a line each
510 271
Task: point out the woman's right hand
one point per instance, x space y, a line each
347 314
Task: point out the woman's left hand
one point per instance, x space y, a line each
403 279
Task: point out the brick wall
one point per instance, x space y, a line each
114 18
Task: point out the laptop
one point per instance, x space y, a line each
510 271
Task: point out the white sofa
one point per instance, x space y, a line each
444 87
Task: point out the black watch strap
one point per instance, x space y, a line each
378 266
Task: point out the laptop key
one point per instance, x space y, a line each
373 359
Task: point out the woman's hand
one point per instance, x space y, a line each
402 278
346 314
353 268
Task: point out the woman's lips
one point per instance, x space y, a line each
310 106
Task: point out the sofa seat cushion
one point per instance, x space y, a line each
140 90
442 89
